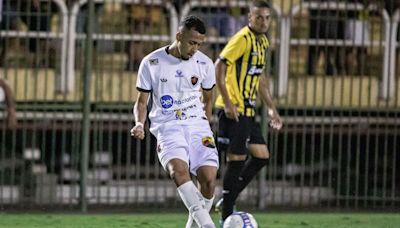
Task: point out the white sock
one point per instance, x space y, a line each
208 205
195 203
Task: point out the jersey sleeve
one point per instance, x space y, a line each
234 49
143 82
209 78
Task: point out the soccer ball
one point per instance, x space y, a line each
240 219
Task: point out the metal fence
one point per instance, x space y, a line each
334 68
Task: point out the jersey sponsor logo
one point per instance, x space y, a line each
254 70
223 140
167 112
179 74
186 100
153 61
189 107
254 53
163 80
208 141
201 62
194 79
166 101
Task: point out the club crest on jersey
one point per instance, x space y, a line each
153 61
208 141
179 74
163 80
194 79
159 148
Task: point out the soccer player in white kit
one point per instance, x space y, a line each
177 81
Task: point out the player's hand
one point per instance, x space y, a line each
231 112
276 120
138 131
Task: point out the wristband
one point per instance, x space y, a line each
270 112
139 124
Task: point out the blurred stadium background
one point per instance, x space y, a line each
334 67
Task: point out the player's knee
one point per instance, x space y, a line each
178 171
259 162
179 174
235 157
259 151
264 154
208 186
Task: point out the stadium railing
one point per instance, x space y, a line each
393 47
73 36
387 86
217 39
60 85
141 180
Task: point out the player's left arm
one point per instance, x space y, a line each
208 102
263 89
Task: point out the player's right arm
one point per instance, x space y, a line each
140 113
233 50
220 72
144 87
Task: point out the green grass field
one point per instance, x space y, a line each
176 220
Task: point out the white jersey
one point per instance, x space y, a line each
175 86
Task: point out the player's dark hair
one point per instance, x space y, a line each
261 4
192 22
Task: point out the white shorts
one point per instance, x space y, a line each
191 141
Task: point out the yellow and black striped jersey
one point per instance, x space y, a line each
244 55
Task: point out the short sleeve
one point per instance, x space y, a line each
209 78
234 49
143 82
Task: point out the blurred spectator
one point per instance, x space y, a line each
8 21
36 15
179 5
143 19
357 32
223 21
391 7
325 24
83 15
82 25
138 21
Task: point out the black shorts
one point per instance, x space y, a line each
235 136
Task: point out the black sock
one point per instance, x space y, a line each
230 182
249 171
